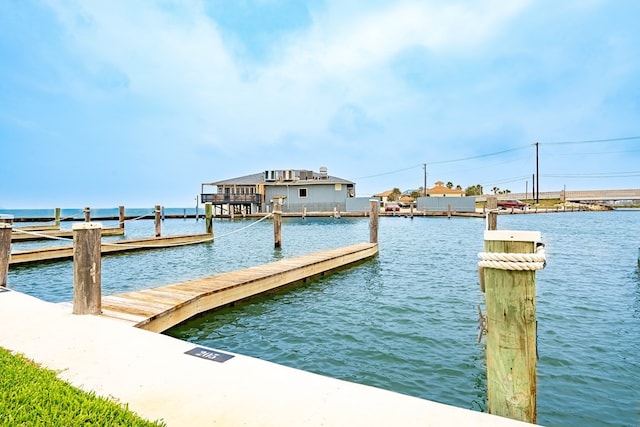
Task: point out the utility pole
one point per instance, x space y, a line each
424 189
537 174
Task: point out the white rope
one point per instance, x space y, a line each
164 245
33 233
513 261
269 215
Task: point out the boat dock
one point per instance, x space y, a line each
61 253
161 308
42 234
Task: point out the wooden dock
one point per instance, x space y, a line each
161 308
17 236
61 253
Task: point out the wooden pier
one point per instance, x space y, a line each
60 253
17 236
161 308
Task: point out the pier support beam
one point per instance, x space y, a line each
87 214
374 208
87 268
208 215
511 328
6 227
56 213
157 221
277 225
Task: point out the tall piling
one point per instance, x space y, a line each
277 225
492 215
121 216
509 264
208 215
6 228
87 214
374 211
56 214
157 221
87 268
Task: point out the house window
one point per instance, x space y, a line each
338 187
302 193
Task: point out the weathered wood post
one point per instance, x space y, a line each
208 214
56 215
277 225
87 268
157 220
448 210
492 215
87 214
6 228
508 265
304 211
121 216
374 209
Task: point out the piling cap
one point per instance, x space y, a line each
86 225
513 235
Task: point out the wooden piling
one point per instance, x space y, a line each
56 213
121 216
87 214
492 215
157 221
208 214
6 228
511 329
374 209
277 225
87 268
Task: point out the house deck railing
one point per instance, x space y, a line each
231 198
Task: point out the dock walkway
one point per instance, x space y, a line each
160 308
61 253
43 234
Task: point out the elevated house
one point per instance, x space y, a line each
297 189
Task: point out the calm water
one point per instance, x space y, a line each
407 320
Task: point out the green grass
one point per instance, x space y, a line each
34 396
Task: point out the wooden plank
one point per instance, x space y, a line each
67 234
169 305
58 253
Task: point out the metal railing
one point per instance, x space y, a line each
230 198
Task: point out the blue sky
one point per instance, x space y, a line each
113 102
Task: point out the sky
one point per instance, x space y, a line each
117 102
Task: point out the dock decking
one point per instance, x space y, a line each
17 236
60 253
161 308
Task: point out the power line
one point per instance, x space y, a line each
391 172
479 156
592 141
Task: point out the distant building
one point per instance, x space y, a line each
440 190
317 191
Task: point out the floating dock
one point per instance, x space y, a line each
61 253
161 308
17 236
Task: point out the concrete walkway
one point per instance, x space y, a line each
155 376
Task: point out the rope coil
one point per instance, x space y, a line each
514 261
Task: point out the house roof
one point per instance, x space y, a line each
383 194
306 178
440 188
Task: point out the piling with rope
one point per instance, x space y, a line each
158 227
208 214
374 210
491 207
56 214
507 276
87 214
121 216
277 225
87 268
6 228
